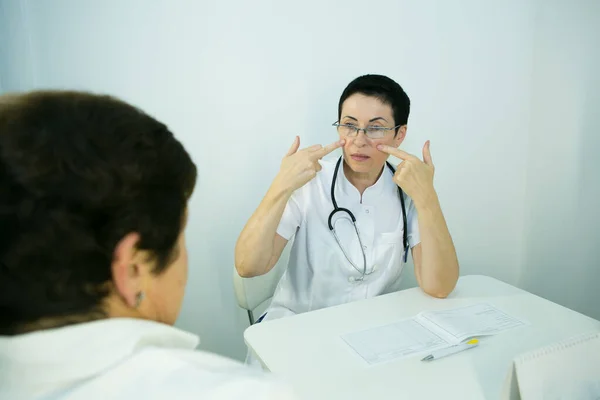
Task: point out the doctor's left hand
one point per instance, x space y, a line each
414 176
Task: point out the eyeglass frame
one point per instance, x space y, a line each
373 128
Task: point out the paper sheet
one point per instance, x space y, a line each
428 331
397 340
476 320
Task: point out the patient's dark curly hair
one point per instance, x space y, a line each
78 172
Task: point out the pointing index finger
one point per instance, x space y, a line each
328 149
401 154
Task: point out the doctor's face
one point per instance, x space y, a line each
360 151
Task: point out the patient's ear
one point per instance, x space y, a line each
126 268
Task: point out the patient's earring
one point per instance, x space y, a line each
138 299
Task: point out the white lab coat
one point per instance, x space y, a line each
318 274
121 358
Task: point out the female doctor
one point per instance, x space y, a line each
354 218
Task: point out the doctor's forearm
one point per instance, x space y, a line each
439 264
254 247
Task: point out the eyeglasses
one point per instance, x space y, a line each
372 132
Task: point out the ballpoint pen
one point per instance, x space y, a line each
451 350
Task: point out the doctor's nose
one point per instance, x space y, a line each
361 139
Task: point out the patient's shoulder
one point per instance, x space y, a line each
188 374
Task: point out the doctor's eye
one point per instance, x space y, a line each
347 129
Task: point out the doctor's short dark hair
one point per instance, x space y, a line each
383 88
78 172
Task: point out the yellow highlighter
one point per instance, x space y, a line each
452 350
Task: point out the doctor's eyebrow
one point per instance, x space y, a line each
371 120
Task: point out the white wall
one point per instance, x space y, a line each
563 182
236 80
16 62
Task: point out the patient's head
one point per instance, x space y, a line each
93 204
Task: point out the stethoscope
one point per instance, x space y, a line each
337 209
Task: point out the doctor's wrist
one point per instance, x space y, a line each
427 202
280 189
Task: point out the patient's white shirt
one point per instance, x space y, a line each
120 358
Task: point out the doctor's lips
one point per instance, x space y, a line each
359 157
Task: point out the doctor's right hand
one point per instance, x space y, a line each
300 166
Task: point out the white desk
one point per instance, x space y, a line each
307 350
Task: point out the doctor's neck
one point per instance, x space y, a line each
361 180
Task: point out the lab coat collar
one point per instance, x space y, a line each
372 192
